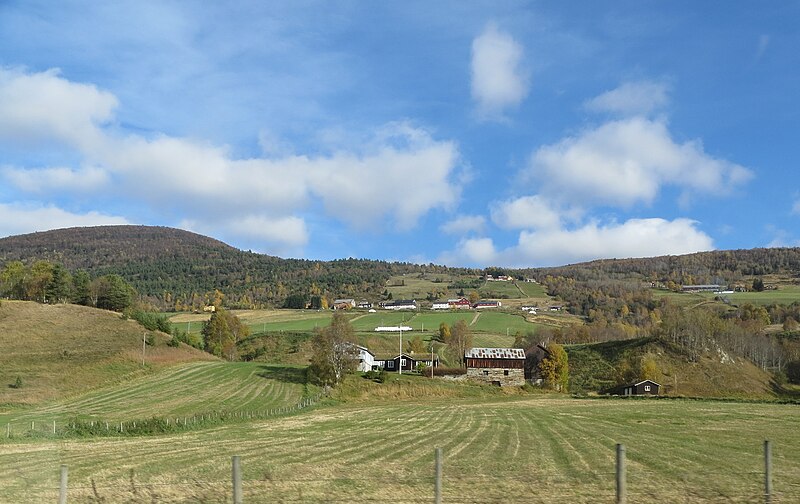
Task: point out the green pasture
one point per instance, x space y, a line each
786 294
499 290
533 290
509 450
177 391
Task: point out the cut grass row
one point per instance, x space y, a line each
178 391
496 450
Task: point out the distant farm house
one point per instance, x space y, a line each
210 308
701 288
405 304
498 366
344 304
440 305
365 305
459 303
499 278
487 304
366 359
407 361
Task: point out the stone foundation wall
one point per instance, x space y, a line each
515 377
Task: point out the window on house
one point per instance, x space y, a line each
647 388
390 364
485 372
403 362
505 372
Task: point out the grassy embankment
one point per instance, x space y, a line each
58 351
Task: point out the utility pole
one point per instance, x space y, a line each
400 361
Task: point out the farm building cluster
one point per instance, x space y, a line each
411 304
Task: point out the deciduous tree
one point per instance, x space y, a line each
333 351
554 367
222 332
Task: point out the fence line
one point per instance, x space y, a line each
436 484
155 425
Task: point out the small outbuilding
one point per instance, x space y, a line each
644 387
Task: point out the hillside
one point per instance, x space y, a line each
714 374
176 268
61 350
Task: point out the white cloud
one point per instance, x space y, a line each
628 161
61 178
796 207
528 212
471 252
631 98
39 107
464 224
498 82
18 218
633 238
400 175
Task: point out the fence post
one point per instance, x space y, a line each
621 489
237 479
62 491
54 426
767 471
437 489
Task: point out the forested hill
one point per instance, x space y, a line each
723 267
177 269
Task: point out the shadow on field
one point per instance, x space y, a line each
286 374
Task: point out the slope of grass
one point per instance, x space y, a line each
516 449
600 365
63 350
181 390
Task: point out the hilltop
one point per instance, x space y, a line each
173 267
61 350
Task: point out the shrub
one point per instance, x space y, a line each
445 371
17 383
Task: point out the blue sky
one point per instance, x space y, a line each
463 133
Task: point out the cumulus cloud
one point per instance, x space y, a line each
39 107
628 161
17 218
60 178
464 224
557 246
631 98
527 212
498 81
401 174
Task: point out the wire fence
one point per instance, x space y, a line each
436 485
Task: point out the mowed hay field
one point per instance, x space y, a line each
62 350
534 449
186 389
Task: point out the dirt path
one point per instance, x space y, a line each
475 318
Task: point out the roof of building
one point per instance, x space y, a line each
495 353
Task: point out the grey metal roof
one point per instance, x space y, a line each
495 353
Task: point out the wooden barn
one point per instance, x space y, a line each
498 366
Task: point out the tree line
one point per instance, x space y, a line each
51 283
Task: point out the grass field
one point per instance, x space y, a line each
62 350
786 294
498 450
180 390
